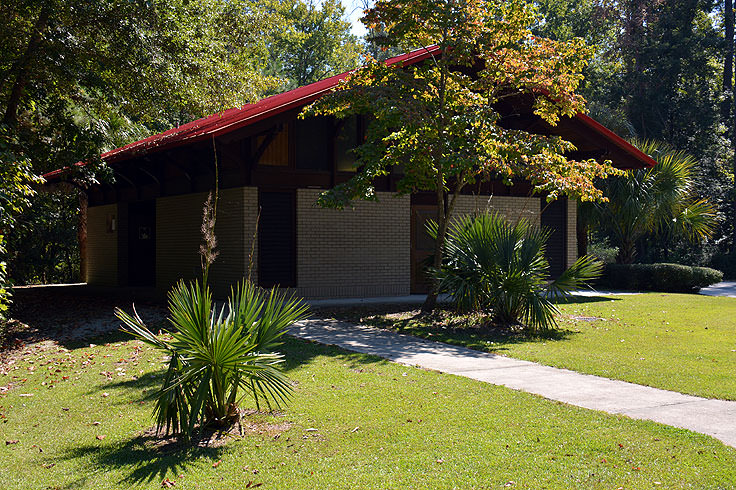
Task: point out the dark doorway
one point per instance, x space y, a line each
277 239
554 219
422 247
142 244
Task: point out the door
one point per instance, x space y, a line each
422 247
142 244
277 239
554 219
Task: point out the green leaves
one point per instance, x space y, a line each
309 41
658 200
495 266
218 357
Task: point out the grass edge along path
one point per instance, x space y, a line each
676 342
716 418
356 421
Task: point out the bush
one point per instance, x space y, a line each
667 278
217 356
603 251
494 266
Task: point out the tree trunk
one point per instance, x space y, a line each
431 302
728 21
626 252
82 235
21 68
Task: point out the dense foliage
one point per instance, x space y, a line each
314 42
663 71
79 78
498 267
659 200
16 190
668 278
440 124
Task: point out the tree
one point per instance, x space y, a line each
314 43
16 190
79 78
659 200
437 119
660 72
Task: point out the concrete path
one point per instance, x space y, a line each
716 418
725 288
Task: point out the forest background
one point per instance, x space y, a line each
79 78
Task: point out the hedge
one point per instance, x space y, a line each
667 278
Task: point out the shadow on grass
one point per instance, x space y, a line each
571 300
298 352
75 315
149 460
473 331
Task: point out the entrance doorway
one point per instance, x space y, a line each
142 244
554 219
422 246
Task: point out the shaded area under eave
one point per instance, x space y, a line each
592 139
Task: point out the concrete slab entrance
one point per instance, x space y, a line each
716 418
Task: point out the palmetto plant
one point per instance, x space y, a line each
496 266
655 200
217 356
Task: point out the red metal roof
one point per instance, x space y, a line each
236 118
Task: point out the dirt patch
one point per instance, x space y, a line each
211 438
70 314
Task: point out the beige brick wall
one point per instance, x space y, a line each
102 246
358 252
178 237
572 236
511 207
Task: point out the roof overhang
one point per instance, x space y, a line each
623 154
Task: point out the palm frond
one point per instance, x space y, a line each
496 266
219 356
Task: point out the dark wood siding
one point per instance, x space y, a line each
554 219
142 243
277 239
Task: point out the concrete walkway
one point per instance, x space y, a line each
725 288
716 418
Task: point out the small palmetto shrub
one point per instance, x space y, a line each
218 356
498 267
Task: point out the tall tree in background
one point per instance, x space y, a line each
658 73
79 77
439 123
314 43
729 112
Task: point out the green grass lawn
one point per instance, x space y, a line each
80 418
679 342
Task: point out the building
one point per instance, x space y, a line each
144 230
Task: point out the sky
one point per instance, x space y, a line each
354 9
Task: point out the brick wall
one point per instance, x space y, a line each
572 236
102 246
358 252
178 237
511 207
